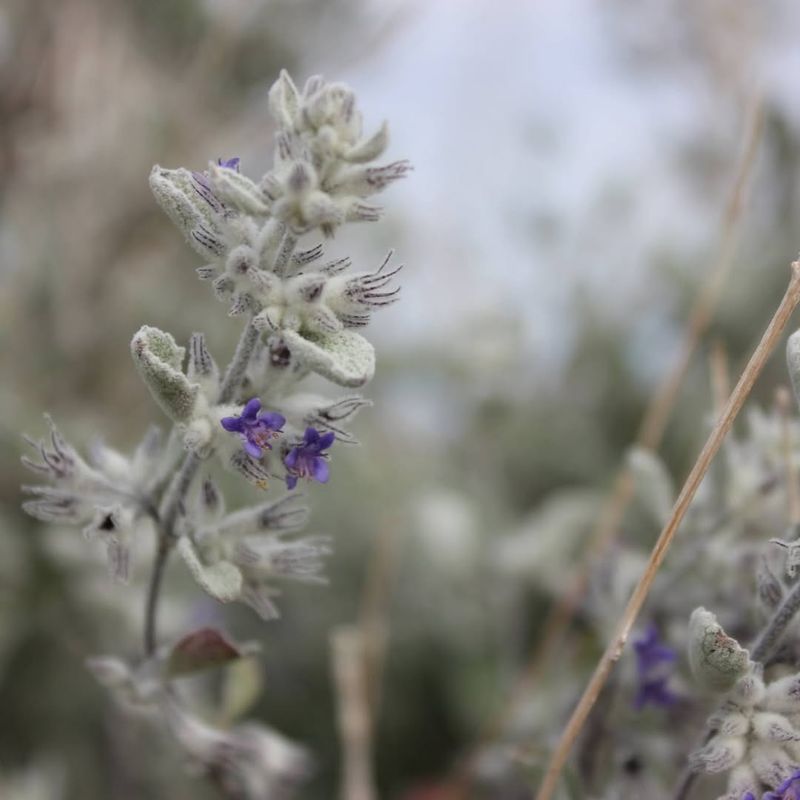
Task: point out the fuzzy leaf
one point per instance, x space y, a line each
346 358
238 190
222 580
158 359
716 659
176 192
653 483
242 686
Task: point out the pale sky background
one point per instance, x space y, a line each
525 116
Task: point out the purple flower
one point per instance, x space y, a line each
656 692
788 790
653 662
307 460
229 163
255 429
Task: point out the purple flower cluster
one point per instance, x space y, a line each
258 428
653 662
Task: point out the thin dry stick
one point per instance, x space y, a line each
347 647
614 650
720 375
649 436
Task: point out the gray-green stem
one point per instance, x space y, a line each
181 483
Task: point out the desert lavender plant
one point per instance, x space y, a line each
300 314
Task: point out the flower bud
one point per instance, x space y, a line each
158 359
716 659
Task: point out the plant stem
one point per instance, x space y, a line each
771 635
181 483
153 593
614 650
234 375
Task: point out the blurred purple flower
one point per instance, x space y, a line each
307 460
653 661
230 163
788 790
255 429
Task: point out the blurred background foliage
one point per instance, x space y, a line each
489 403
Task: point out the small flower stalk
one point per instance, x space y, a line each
302 315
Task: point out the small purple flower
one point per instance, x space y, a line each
307 460
229 163
788 790
255 429
653 661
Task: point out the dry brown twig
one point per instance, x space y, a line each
614 649
649 436
355 725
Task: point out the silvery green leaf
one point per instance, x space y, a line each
544 546
654 486
158 359
282 515
221 580
730 722
720 754
241 687
783 695
175 192
770 762
305 409
370 148
237 190
284 100
742 780
716 659
346 358
366 181
773 727
53 504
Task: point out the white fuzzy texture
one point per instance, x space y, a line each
345 358
717 660
221 580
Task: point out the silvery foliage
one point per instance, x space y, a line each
755 735
738 553
304 315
